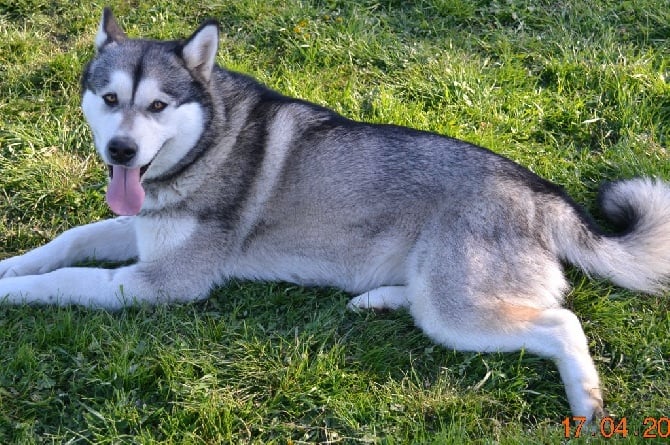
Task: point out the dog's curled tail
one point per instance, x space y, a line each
638 257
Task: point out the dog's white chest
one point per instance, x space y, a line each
157 236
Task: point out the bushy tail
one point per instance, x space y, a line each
639 256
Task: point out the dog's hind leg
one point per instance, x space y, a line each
381 298
500 326
496 288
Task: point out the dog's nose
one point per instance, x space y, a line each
122 150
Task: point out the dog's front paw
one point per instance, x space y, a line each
8 291
27 289
27 264
12 267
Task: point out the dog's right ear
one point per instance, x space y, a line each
109 30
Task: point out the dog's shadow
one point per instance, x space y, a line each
274 340
387 349
293 351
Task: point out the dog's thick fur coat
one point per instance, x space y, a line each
220 177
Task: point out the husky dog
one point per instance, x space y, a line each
217 176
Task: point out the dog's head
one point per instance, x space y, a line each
145 103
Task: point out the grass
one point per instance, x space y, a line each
577 91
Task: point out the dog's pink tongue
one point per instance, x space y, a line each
125 193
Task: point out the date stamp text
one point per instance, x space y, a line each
607 427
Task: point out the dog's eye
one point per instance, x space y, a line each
110 99
157 106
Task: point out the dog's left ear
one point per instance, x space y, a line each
109 30
199 50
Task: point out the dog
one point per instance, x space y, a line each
214 176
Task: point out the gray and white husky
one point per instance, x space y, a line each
218 176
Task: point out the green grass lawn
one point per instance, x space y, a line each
578 91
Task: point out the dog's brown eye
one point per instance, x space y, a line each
110 99
157 106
